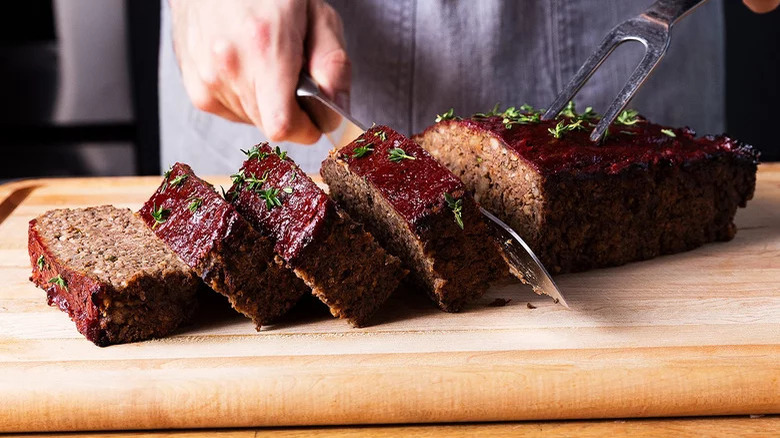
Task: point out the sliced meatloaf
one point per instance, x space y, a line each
419 211
109 272
207 232
334 255
643 191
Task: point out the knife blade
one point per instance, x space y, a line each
521 259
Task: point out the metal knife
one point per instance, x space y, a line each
522 261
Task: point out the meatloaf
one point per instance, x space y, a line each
210 236
419 211
341 262
643 191
109 272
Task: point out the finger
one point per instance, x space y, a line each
328 63
276 65
203 97
762 6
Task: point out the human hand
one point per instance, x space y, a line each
761 6
240 59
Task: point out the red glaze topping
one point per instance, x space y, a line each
642 143
77 298
191 217
414 187
280 200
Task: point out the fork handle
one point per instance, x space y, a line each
669 12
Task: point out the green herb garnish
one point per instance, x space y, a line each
59 281
287 190
513 116
491 113
254 183
381 134
563 127
166 175
569 110
448 115
41 263
398 154
362 151
238 178
628 117
669 132
254 152
271 197
456 205
280 153
159 215
233 195
179 180
195 204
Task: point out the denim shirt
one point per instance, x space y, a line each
412 59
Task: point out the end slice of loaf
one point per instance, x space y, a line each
644 191
116 280
341 262
419 211
213 239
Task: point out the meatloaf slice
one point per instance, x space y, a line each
213 239
419 211
334 255
645 190
113 277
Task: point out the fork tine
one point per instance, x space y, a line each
587 69
652 56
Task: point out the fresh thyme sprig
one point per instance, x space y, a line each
159 214
448 115
381 134
562 127
397 154
41 262
271 197
195 204
514 116
287 190
238 178
280 153
255 152
232 195
362 151
628 117
669 132
166 175
254 183
59 281
456 205
179 180
569 110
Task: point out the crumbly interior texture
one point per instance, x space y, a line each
119 282
243 267
453 265
579 222
348 271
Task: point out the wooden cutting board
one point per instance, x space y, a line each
689 334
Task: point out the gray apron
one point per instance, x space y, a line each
413 59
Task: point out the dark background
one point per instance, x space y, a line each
32 145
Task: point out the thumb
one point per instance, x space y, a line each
328 63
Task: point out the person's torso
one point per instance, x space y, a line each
413 59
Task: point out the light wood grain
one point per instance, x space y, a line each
674 427
689 334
